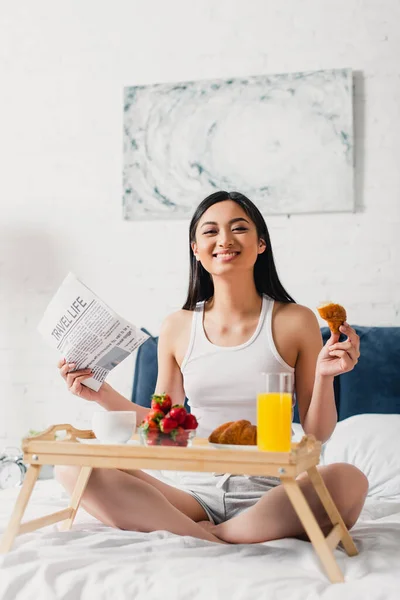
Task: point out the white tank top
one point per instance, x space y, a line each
222 382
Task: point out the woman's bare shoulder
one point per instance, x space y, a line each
176 320
295 314
176 326
292 324
175 332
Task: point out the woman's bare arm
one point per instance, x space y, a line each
106 397
169 378
314 392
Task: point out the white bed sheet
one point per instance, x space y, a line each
95 561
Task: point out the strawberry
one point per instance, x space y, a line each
181 436
182 443
167 441
190 422
154 414
161 402
167 424
153 438
150 425
178 413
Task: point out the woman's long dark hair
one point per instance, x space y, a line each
266 278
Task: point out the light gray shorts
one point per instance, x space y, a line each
224 496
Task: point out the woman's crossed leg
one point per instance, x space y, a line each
136 501
273 517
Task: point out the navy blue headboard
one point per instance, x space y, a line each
373 386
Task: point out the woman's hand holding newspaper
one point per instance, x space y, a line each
74 383
106 396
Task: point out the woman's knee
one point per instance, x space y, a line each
354 481
358 484
351 490
361 480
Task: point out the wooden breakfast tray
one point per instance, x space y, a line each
44 449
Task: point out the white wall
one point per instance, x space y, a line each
63 67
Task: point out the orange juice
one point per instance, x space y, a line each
274 421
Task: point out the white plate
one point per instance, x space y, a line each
232 446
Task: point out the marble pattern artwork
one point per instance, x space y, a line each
285 141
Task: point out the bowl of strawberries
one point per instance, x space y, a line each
167 424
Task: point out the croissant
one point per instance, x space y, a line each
334 314
235 432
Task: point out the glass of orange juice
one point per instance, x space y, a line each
274 412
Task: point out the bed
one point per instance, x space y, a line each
96 561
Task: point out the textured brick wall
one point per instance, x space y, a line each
63 67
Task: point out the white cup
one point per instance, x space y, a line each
114 426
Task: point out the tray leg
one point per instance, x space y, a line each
331 509
76 497
313 530
23 498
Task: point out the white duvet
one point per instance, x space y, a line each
95 562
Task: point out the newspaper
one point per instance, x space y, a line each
87 332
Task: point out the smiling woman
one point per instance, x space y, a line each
238 321
234 228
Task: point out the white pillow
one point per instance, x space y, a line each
371 443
